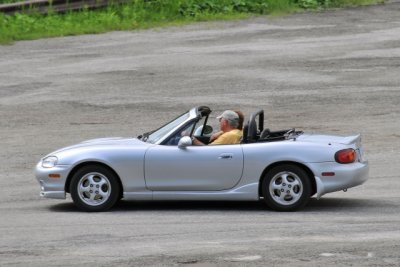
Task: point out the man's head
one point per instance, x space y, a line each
228 120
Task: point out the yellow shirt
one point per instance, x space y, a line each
228 138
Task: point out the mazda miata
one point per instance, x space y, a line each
282 168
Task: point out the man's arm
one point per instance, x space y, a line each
197 142
216 135
221 140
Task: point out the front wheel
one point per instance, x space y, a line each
286 187
94 188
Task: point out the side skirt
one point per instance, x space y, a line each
247 192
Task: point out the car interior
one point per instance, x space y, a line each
253 129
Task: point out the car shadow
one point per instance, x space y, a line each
350 204
191 206
314 205
64 207
171 206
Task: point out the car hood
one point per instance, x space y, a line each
327 139
110 141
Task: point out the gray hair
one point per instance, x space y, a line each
232 117
234 123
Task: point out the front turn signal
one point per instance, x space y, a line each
345 156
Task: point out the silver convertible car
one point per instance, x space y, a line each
283 168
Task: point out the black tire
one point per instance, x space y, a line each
94 188
286 187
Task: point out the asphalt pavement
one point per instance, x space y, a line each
332 72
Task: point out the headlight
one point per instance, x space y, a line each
49 162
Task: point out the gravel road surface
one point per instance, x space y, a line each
332 72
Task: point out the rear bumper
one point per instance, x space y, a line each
346 176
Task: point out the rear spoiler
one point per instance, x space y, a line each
348 140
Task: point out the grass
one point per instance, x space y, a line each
148 13
9 1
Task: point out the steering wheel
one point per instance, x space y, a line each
288 133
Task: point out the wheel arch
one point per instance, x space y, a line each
310 174
87 163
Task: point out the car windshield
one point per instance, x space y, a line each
156 135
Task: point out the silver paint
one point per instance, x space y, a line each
225 172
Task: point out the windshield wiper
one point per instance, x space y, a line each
143 137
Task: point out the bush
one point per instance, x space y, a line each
145 13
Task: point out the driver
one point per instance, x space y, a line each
229 123
240 127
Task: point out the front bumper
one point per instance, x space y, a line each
346 176
52 187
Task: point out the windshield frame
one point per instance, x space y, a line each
169 128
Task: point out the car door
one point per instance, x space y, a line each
194 168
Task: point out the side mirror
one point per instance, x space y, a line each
184 142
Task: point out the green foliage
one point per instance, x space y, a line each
145 13
308 4
8 1
197 7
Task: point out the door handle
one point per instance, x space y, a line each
226 156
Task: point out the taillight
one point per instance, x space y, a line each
345 156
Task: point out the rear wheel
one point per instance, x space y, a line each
286 187
94 188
